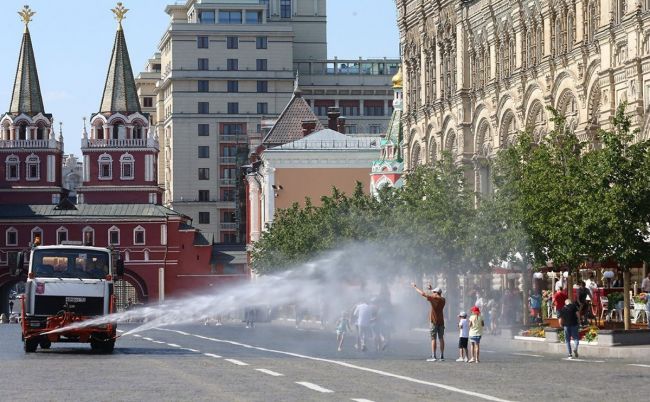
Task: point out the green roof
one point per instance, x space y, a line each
26 97
120 94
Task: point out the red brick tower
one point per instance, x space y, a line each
30 154
121 151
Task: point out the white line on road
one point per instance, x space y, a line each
138 336
119 330
212 355
269 372
583 360
314 386
361 400
527 354
237 362
191 350
489 351
183 333
173 345
639 365
353 366
147 339
159 342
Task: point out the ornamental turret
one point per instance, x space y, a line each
120 151
30 154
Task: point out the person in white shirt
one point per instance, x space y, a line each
463 326
363 312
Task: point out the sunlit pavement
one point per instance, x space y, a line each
275 362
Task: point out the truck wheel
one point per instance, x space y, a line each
95 345
108 346
45 343
30 345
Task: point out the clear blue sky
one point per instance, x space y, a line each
73 39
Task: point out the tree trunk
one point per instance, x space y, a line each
626 298
525 274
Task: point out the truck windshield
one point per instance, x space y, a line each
70 263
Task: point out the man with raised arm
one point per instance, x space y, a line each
437 320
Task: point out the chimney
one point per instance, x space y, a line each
332 117
308 127
340 127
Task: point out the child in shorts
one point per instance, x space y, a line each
463 326
476 325
342 326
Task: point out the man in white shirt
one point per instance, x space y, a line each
363 312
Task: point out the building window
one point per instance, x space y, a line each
285 8
229 238
33 164
163 234
350 129
232 64
127 163
138 235
375 129
204 218
61 235
11 237
105 167
373 109
232 42
261 42
262 108
204 151
268 7
262 86
206 17
88 236
253 17
204 130
203 86
229 217
204 108
228 194
233 86
56 198
232 129
204 174
204 195
12 165
261 64
202 42
230 17
233 108
203 64
147 101
153 198
113 236
37 236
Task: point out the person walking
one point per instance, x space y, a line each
342 326
569 320
476 325
437 319
364 313
463 326
11 306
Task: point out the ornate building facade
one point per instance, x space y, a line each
476 73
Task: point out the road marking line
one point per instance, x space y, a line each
138 336
353 366
147 339
212 355
314 386
191 350
639 365
361 400
182 333
237 362
527 354
583 360
173 345
489 351
269 372
119 330
157 342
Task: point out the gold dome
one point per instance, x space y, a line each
397 79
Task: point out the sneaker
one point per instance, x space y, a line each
466 360
432 359
471 361
442 359
569 357
575 353
460 359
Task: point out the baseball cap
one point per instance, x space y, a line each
475 309
437 290
463 314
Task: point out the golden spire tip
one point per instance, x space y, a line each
120 12
26 14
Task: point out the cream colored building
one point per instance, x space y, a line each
476 72
224 67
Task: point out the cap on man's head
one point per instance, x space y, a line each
463 314
437 290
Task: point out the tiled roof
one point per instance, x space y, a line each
288 127
86 211
331 139
120 94
394 133
26 97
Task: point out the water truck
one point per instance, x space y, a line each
66 285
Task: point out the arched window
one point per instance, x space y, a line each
415 155
105 162
12 168
22 131
137 132
486 63
99 131
33 165
127 256
139 236
88 235
11 237
525 62
127 164
570 36
146 255
118 130
114 236
37 236
61 235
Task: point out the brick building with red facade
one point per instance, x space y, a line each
119 201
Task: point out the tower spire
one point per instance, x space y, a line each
120 93
26 96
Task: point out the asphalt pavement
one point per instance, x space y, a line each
276 362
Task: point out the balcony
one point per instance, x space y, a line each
228 160
238 138
228 225
120 143
228 182
30 144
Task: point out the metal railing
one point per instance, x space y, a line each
120 143
228 182
228 225
48 144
